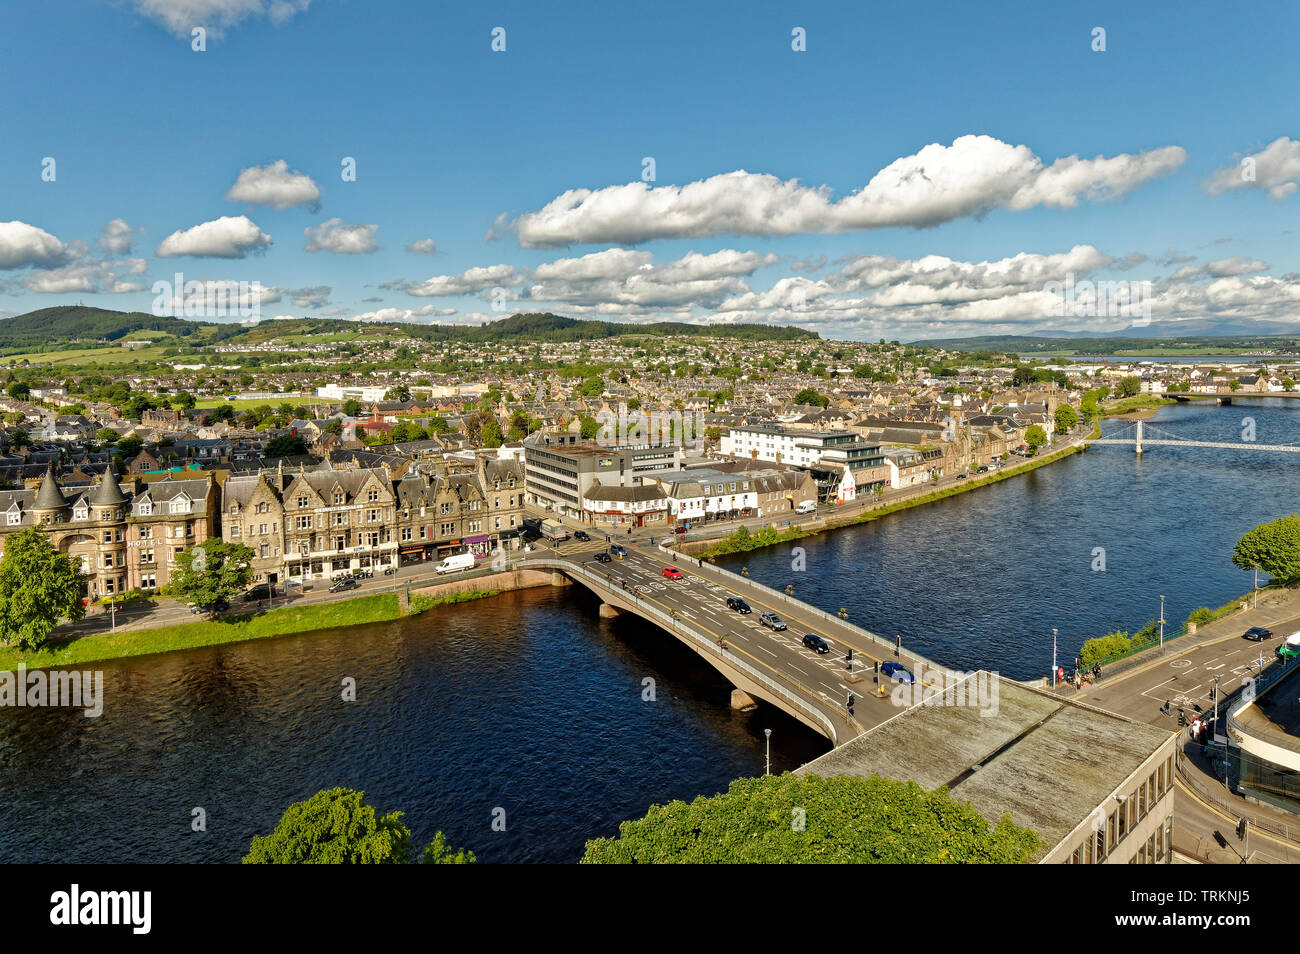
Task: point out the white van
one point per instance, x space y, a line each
808 506
461 561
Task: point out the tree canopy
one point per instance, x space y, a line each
38 587
844 819
336 826
1272 548
212 571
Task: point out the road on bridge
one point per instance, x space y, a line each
700 599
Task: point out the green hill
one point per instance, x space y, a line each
52 328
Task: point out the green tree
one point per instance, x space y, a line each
1066 419
1128 386
399 393
810 396
1035 437
336 826
38 587
352 407
183 401
858 821
19 438
1272 548
333 827
286 445
128 447
212 572
18 390
589 427
490 435
107 435
334 426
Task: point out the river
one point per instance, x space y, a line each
530 703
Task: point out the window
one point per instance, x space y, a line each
15 518
372 496
302 502
304 523
108 536
372 516
234 531
146 557
338 498
145 508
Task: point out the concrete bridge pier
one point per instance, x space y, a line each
609 612
742 701
559 579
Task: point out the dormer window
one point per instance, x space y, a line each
81 513
15 517
180 505
338 497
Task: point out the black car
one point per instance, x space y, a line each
263 591
604 557
816 643
344 583
582 535
1257 633
739 605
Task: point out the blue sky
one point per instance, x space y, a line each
971 111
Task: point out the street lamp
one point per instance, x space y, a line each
768 734
1162 622
1053 658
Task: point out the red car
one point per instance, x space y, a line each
672 573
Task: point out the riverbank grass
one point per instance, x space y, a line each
378 608
421 603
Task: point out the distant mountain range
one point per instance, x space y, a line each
68 324
1192 334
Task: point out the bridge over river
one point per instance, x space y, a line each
773 666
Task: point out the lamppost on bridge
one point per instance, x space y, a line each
1162 622
767 733
1255 592
1053 658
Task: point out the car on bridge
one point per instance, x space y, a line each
582 535
816 643
739 605
1257 633
897 672
772 622
604 557
618 550
672 573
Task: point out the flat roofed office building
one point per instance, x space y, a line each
560 469
1096 787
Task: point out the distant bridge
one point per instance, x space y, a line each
1166 438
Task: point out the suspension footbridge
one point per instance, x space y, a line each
1139 434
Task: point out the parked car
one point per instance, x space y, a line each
897 672
604 557
772 622
582 535
343 583
672 573
263 591
1256 633
961 476
739 605
816 643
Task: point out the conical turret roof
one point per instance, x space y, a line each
50 496
107 492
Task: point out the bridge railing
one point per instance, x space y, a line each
680 627
804 607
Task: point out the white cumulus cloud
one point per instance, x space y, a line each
937 184
227 237
333 236
274 185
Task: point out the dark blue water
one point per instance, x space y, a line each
531 703
528 702
980 579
